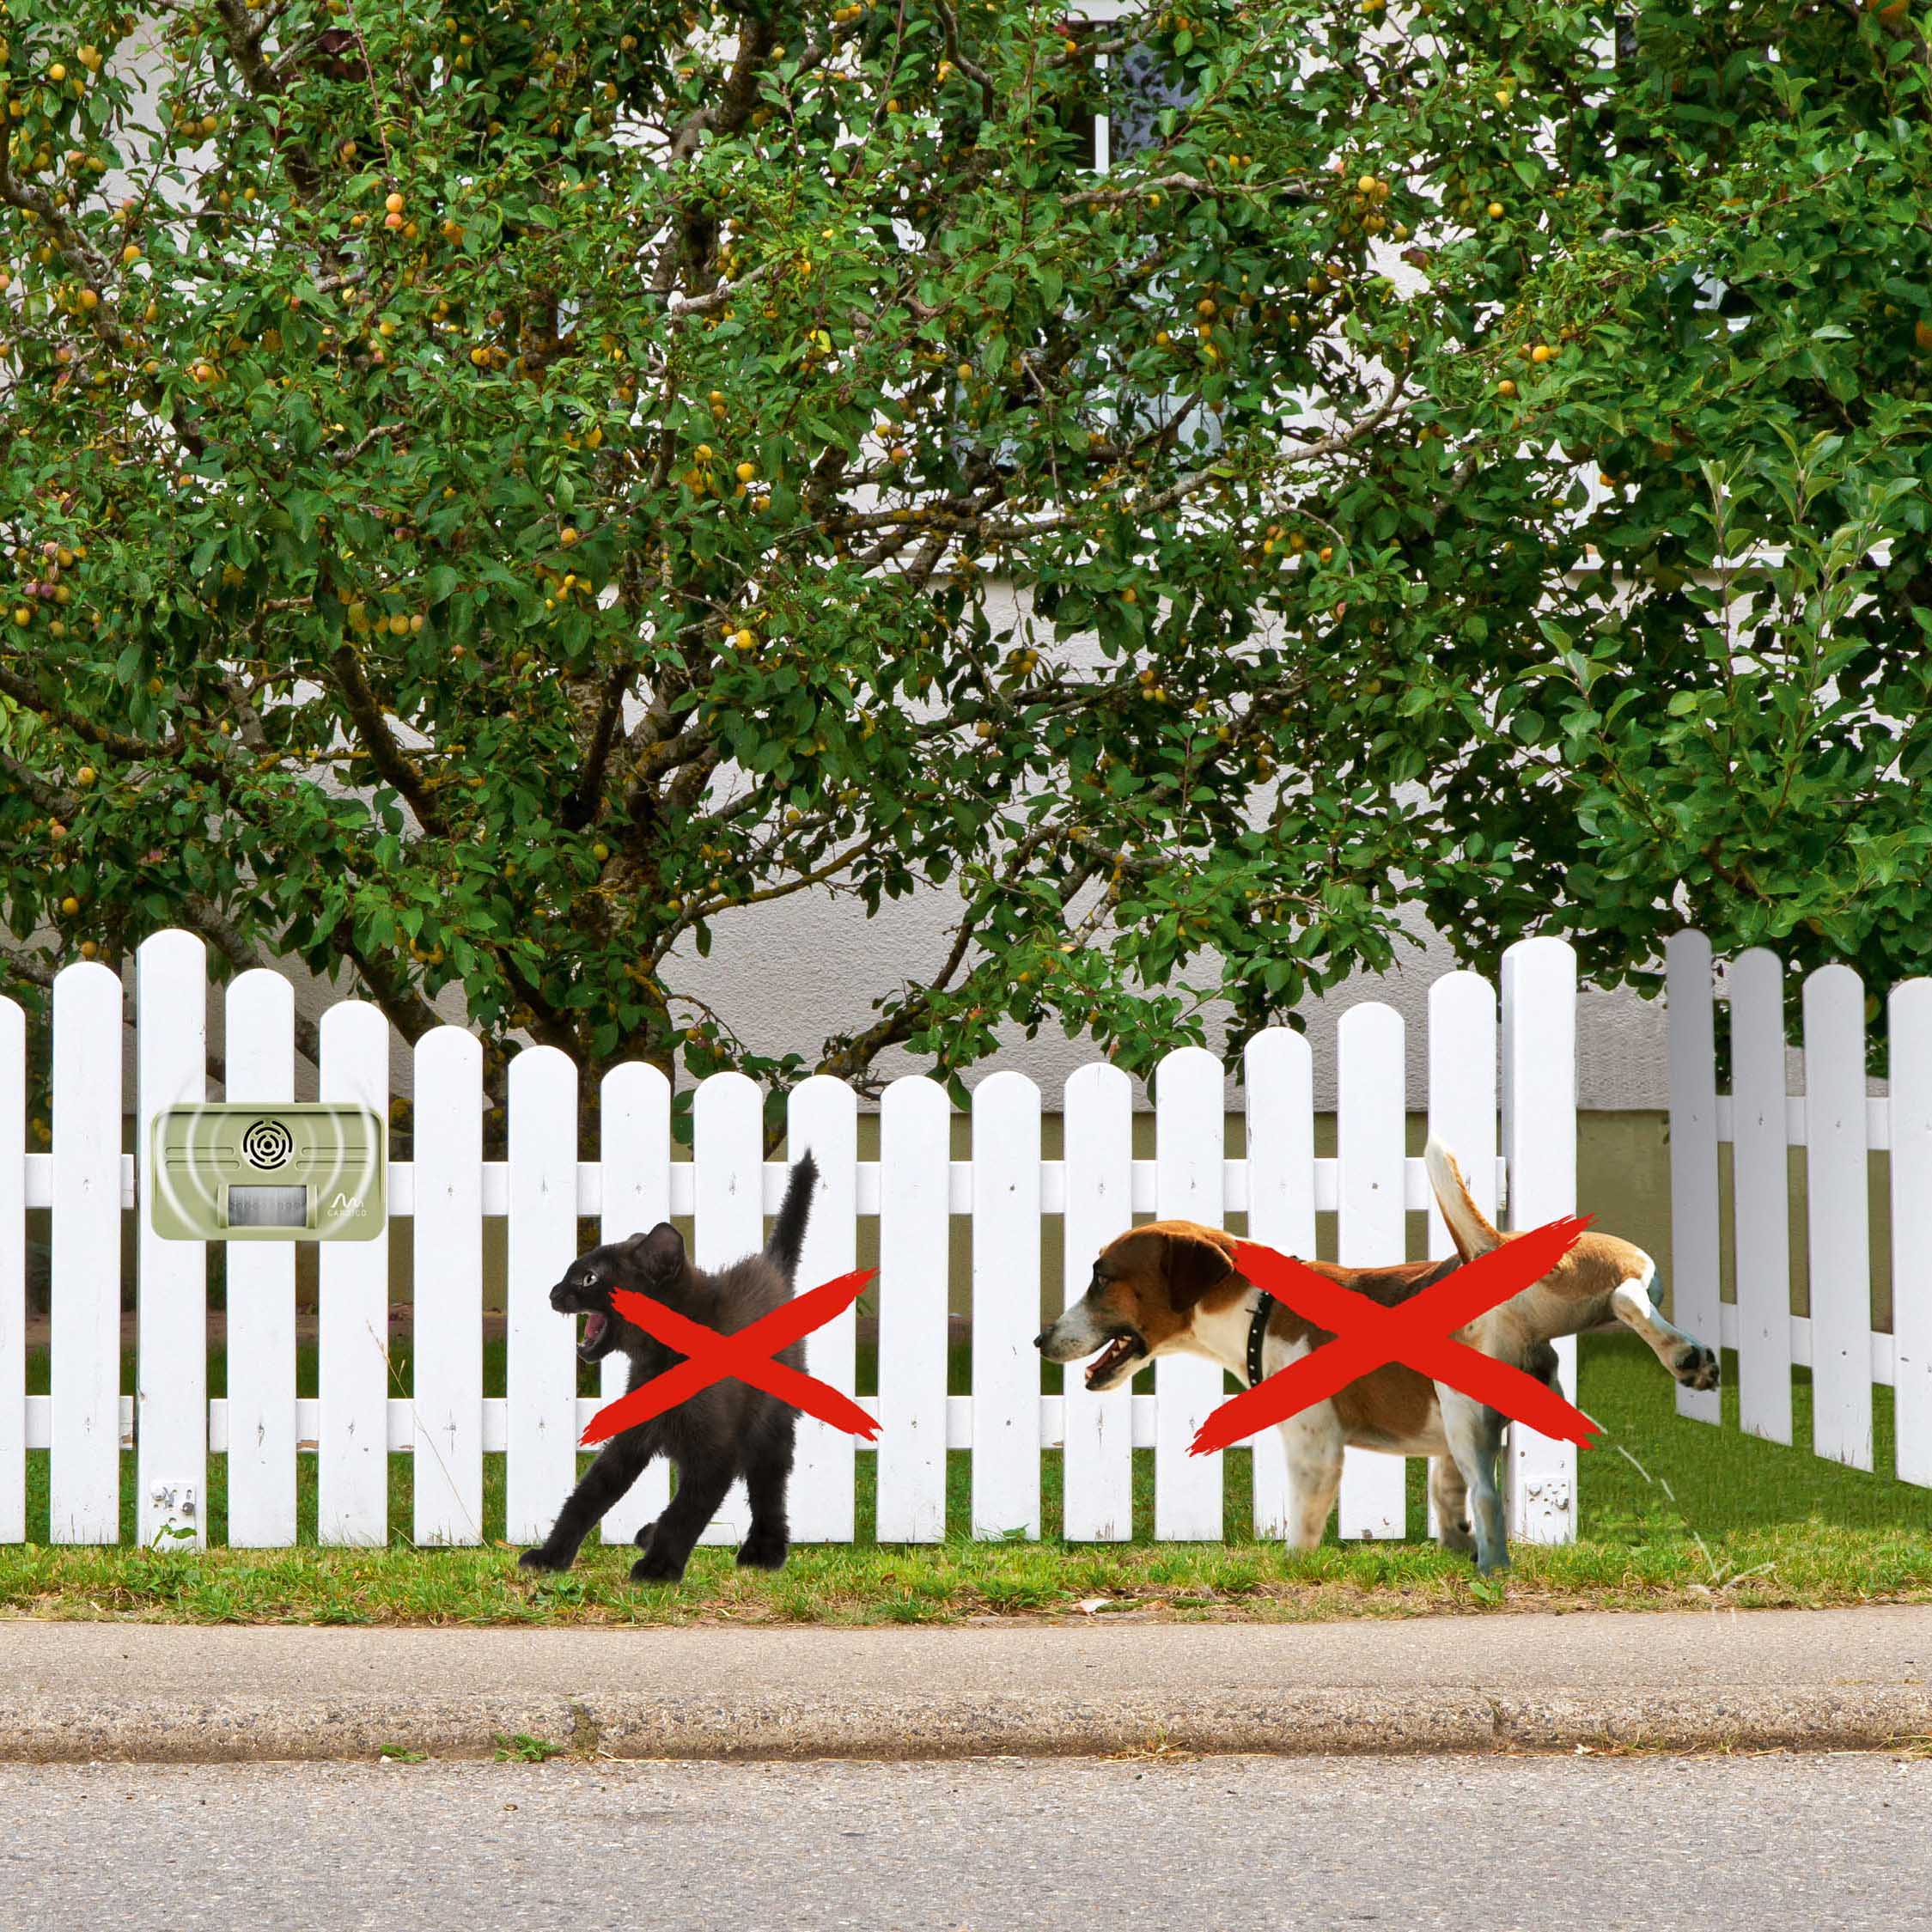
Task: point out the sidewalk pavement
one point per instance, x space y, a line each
1685 1681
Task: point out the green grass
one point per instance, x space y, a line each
1718 1516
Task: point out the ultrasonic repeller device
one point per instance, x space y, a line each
232 1171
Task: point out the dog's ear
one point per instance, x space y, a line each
659 1252
1194 1266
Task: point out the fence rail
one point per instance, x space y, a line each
1501 1090
1839 1125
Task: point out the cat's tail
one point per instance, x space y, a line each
788 1232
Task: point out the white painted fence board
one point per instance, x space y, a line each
634 1195
1370 1125
1540 1150
1696 1236
1005 1307
541 1381
447 1391
259 1053
352 1281
13 1272
1097 1467
822 1115
1189 1086
1761 1195
1462 1098
83 1476
1911 1083
915 1139
1838 1216
728 1129
171 1320
1280 1200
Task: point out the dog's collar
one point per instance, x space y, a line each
1257 1335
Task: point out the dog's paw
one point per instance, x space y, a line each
763 1552
1696 1367
651 1568
542 1558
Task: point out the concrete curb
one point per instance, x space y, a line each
1670 1681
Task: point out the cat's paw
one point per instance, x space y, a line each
543 1558
653 1568
763 1552
644 1536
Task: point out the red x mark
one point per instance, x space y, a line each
1416 1333
745 1356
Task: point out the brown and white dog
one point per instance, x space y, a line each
1171 1287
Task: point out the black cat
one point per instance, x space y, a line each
727 1430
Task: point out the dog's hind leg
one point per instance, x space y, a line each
769 1539
676 1531
1449 1493
1684 1355
1474 1431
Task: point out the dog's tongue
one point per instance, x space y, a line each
594 1326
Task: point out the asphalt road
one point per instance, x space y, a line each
1462 1843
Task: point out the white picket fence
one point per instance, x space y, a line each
1838 1126
439 1201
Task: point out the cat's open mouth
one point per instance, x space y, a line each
1115 1356
594 1324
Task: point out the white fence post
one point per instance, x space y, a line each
260 1053
1462 1098
1911 1086
1539 1149
540 1467
1838 1211
1372 1231
12 1273
822 1114
634 1151
1189 1136
915 1194
1006 1311
447 1365
1097 1459
171 1281
728 1147
1761 1194
352 1281
1696 1244
1281 1209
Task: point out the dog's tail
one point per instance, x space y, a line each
1469 1226
788 1232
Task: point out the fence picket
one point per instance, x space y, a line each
1097 1456
352 1352
1281 1208
1462 1097
540 1468
12 1273
261 1054
634 1129
1371 1228
1696 1242
915 1155
727 1145
447 1396
1910 1087
1189 1177
822 1114
1539 1149
171 1352
1838 1216
1005 1307
1760 1194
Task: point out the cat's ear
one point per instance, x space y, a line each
662 1251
